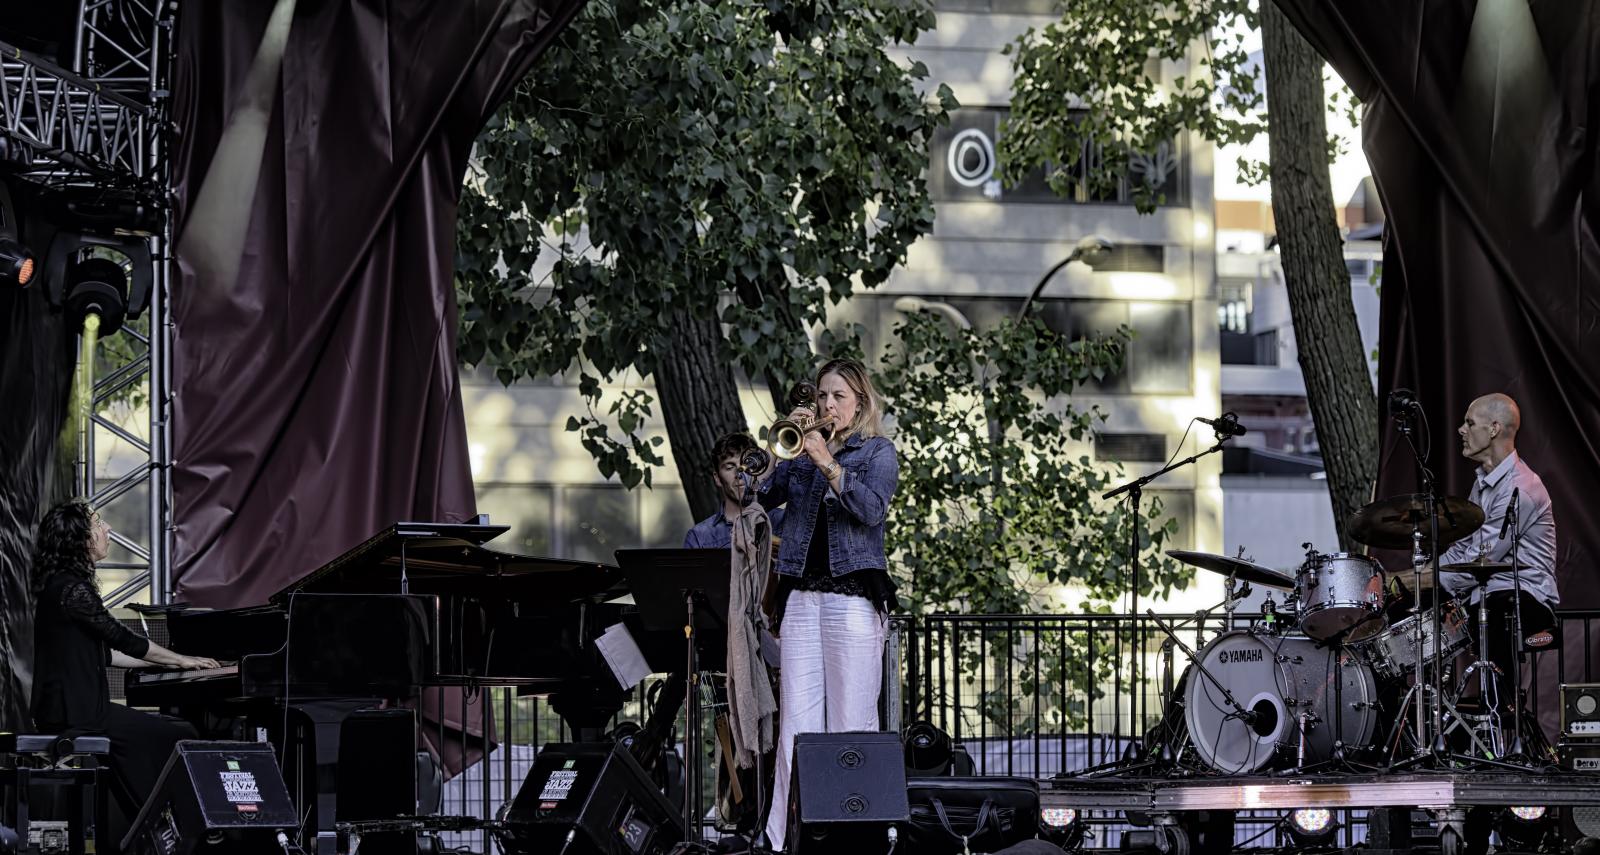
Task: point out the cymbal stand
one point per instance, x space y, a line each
1431 707
1488 682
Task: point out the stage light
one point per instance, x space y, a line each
17 264
928 750
97 286
1058 817
1526 827
1311 822
110 275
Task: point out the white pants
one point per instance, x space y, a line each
831 671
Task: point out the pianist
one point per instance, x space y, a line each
75 638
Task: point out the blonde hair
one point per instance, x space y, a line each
869 407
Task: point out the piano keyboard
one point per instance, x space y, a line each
147 677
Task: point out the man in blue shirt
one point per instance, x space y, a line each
716 531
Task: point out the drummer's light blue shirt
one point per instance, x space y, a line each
1536 521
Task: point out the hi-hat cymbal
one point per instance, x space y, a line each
1480 570
1239 568
1388 523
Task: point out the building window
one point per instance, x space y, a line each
527 508
1130 447
964 167
1159 359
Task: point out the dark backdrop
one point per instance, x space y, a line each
317 396
1476 127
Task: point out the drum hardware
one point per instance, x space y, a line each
1339 594
1487 727
1286 716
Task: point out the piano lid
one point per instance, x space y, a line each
449 558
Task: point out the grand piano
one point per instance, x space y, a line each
416 605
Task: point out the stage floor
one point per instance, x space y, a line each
1427 790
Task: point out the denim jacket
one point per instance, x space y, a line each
871 471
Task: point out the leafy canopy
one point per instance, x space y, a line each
750 159
1105 57
998 505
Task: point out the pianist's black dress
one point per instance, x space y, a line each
73 637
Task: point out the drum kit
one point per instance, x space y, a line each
1333 670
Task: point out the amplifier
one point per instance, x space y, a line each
1580 710
1579 755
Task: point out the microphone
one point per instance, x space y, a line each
1226 426
1511 513
1402 403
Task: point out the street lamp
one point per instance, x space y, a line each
1091 250
910 305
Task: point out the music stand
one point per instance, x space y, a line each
685 589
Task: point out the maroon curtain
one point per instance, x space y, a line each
1476 124
316 397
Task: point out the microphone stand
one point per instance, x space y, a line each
1135 491
1404 423
1512 522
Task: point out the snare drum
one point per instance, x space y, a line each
1340 592
1393 652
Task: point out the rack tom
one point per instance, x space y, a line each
1340 593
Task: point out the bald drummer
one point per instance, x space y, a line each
1489 438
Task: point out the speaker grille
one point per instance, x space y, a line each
1586 819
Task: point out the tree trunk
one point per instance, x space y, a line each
699 402
35 378
1338 386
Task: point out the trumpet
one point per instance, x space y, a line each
787 439
788 436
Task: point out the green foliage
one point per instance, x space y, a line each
1104 55
998 503
743 158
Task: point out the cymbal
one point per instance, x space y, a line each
1480 570
1387 523
1239 568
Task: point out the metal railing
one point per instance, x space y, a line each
1025 695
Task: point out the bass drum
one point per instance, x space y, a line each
1287 686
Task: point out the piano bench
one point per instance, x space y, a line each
54 785
52 748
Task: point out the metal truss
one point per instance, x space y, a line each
102 126
100 122
65 129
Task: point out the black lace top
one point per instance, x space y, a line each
73 636
872 583
81 603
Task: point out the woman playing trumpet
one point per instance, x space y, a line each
834 591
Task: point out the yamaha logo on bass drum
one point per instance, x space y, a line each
1253 654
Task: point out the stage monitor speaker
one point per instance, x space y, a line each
226 798
590 799
849 791
1580 710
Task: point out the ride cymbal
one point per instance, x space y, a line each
1388 523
